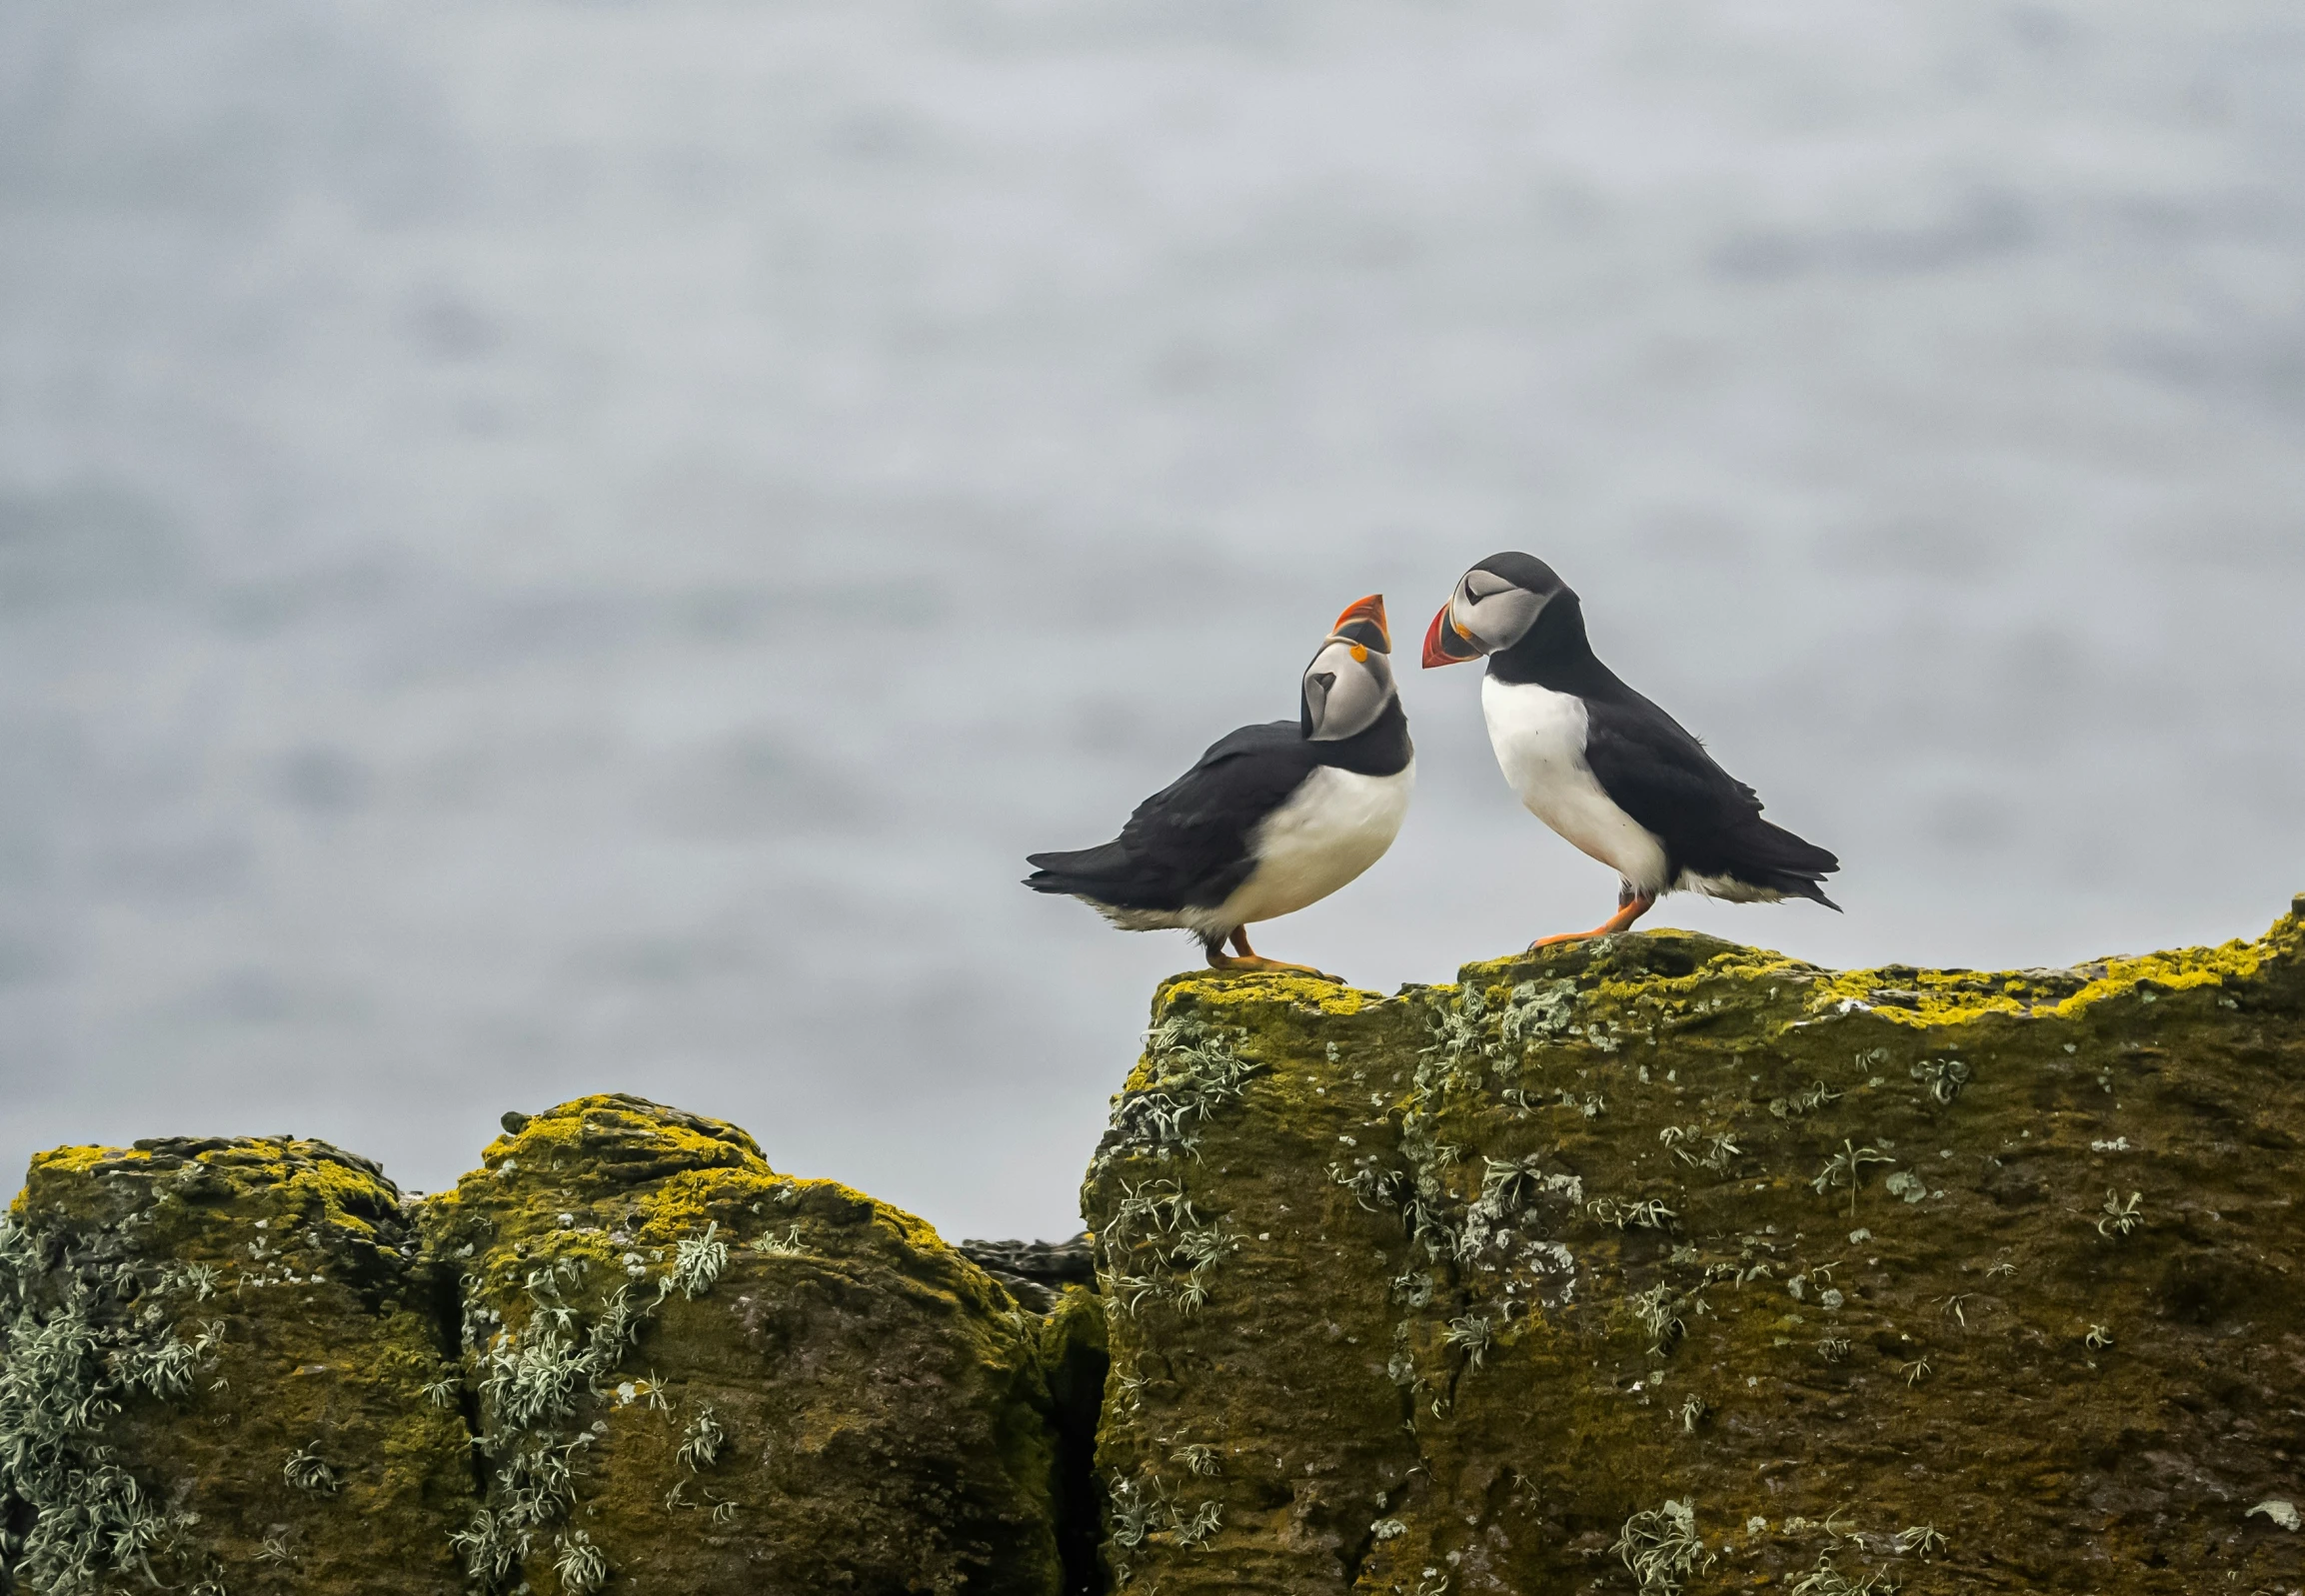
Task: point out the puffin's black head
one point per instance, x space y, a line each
1349 681
1495 605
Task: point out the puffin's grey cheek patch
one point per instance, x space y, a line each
1503 618
1354 693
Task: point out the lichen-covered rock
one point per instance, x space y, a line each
214 1367
626 1350
694 1374
1652 1263
1658 1261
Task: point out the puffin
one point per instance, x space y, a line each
1615 776
1273 817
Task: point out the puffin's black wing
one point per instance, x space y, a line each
1188 844
1711 821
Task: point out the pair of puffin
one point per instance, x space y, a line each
1277 816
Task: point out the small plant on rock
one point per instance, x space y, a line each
582 1566
1659 1312
1649 1213
1660 1546
1803 1102
1847 1168
701 1441
1194 1534
2120 1217
1198 1457
1470 1335
699 1260
785 1246
1137 1507
305 1472
1922 1538
1944 1077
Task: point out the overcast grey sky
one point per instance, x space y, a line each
553 547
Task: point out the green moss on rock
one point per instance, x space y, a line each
695 1374
1658 1261
213 1361
1649 1264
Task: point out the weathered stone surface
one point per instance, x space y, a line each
1660 1261
696 1375
213 1362
1649 1264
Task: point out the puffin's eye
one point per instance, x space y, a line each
1325 680
1479 584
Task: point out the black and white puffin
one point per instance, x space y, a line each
1602 765
1272 819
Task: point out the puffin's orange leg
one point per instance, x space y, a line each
1630 910
1251 960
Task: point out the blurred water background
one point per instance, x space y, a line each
550 548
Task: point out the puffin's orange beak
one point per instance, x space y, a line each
1357 621
1444 644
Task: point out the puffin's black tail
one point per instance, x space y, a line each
1088 869
1768 855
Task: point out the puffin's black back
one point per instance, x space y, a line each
1657 771
1188 845
1709 822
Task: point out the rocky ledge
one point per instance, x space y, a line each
1650 1265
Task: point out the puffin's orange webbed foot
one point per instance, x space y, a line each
1251 962
1630 910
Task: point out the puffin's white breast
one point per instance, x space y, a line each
1538 736
1333 827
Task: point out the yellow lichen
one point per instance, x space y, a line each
1950 997
1220 991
